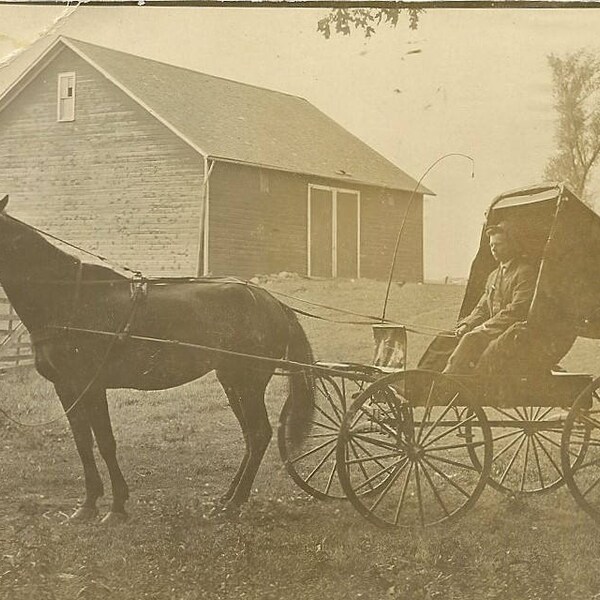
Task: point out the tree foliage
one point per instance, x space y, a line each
576 89
344 20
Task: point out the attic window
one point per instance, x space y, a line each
66 97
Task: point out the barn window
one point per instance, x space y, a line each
264 183
66 97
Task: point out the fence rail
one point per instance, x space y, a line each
15 345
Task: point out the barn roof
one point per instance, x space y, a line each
229 120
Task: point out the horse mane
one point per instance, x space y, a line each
35 255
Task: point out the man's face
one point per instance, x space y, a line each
502 249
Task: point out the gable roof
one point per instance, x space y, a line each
233 121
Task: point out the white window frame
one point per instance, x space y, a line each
334 229
61 117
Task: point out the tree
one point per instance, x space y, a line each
576 90
342 20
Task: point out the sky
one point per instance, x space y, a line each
479 85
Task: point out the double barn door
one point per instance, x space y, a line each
333 232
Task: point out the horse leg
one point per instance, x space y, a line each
257 432
234 402
84 442
99 417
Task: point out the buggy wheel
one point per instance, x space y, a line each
312 464
582 430
405 440
527 449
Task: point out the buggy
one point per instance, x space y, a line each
417 447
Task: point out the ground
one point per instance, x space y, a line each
179 450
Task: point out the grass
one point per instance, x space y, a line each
180 448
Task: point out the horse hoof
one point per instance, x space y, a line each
114 518
84 514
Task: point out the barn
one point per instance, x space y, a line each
175 172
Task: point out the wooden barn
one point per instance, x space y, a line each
176 172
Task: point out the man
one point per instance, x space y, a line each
505 302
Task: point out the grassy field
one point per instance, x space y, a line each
180 448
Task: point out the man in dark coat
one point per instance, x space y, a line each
505 302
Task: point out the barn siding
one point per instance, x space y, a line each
382 212
115 180
253 232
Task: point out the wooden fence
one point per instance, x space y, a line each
15 346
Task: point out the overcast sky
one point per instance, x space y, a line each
479 85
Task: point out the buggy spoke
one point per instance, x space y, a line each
505 413
330 478
456 446
379 443
320 464
454 463
503 436
437 421
512 460
389 484
590 463
525 461
521 415
537 461
402 495
591 487
549 456
335 408
548 411
450 430
325 426
403 461
426 412
311 451
320 435
554 443
448 479
383 425
508 446
328 417
419 498
435 491
361 466
588 419
375 458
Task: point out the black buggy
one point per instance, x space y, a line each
416 447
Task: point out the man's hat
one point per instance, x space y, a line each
501 227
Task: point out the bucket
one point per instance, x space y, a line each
390 346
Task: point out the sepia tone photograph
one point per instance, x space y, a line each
299 301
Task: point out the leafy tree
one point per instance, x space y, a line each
343 20
576 90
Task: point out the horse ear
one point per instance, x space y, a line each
3 203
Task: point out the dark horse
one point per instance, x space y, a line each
56 296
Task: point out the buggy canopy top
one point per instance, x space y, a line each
559 234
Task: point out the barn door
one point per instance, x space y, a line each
333 233
320 233
347 234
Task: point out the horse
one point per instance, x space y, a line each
93 329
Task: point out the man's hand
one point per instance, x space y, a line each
461 330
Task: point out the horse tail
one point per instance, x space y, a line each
301 396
